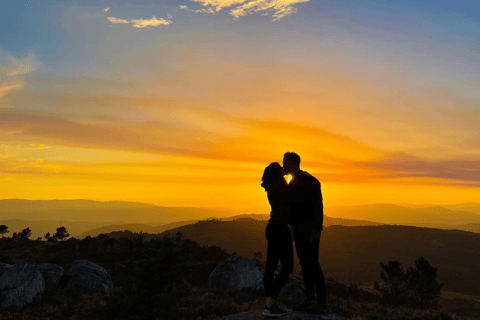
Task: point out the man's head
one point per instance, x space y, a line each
291 162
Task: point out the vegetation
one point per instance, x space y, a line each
417 286
166 278
3 229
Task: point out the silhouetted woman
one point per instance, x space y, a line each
278 237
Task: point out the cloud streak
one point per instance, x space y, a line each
240 8
141 23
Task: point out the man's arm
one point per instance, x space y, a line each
317 200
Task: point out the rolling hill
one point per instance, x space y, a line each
429 216
115 212
152 229
353 253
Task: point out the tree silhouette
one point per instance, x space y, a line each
39 239
393 290
422 282
3 229
25 234
14 235
61 233
178 237
47 236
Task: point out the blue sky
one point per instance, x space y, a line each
381 82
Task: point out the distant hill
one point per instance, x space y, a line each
40 228
153 229
431 216
353 254
135 227
115 212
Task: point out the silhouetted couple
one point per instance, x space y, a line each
296 215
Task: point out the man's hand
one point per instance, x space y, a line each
315 236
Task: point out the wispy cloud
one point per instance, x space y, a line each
154 22
106 9
117 20
34 146
23 65
141 23
12 70
240 8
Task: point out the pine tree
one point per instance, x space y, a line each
422 283
25 234
393 290
61 233
3 229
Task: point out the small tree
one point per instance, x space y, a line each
62 233
178 237
422 283
3 229
14 235
25 234
393 290
39 239
47 236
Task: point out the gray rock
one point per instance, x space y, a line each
236 273
21 284
291 290
4 267
87 277
209 295
51 273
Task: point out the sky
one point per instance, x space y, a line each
184 103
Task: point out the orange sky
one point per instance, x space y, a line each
191 114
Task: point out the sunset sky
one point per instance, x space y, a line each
184 103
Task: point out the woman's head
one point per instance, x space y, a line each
273 174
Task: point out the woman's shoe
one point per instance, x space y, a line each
304 305
274 311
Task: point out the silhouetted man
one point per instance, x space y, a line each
307 219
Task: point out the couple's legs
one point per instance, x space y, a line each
313 277
279 247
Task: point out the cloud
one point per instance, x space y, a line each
240 8
141 23
154 22
23 65
106 9
117 20
453 172
34 146
12 71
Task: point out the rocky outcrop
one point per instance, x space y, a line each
21 284
87 277
236 273
292 290
51 273
4 267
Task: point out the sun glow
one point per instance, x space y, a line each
288 177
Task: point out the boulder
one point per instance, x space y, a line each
236 273
51 273
21 284
209 295
4 267
87 277
291 290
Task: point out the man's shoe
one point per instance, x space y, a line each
317 308
274 311
304 305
